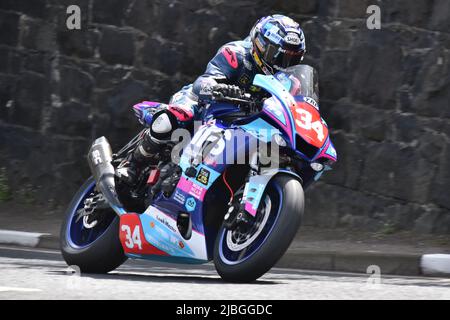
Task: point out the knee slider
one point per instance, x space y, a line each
163 124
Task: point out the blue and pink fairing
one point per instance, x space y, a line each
158 224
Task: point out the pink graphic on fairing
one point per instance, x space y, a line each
287 127
192 188
185 184
324 154
249 208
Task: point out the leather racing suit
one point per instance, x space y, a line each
233 64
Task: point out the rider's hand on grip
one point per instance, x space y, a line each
226 90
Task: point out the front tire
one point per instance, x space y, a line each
287 205
100 251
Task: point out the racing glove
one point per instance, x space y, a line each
226 90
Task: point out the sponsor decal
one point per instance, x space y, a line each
96 157
254 88
160 244
311 101
190 204
192 188
244 80
178 197
197 191
292 38
165 222
272 35
203 176
168 242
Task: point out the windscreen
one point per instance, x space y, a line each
300 80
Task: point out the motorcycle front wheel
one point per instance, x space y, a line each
245 255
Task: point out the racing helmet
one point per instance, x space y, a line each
278 43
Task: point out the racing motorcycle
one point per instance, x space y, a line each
203 207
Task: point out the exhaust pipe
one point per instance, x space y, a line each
99 158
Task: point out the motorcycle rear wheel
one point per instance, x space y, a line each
96 250
240 262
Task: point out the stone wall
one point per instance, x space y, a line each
385 94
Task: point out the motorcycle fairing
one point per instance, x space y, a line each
289 112
285 99
272 109
219 109
190 192
309 124
131 221
158 223
261 130
159 238
187 197
328 151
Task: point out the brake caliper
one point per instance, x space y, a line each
237 215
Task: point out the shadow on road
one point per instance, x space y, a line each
160 277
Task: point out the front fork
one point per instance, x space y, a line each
244 211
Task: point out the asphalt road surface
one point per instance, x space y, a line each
42 274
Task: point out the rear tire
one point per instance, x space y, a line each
277 240
104 254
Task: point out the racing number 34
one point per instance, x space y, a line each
132 239
305 122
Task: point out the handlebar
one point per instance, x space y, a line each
245 100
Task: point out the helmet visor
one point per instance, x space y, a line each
277 57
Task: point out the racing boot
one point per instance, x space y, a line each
145 153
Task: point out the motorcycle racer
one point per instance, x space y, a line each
275 42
